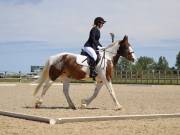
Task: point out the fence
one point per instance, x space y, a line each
124 77
16 77
147 77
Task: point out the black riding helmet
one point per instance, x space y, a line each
98 20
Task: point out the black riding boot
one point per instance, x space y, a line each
93 72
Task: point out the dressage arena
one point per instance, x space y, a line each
135 99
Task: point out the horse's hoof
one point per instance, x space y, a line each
119 108
73 107
83 106
37 105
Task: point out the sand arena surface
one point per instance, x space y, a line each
136 99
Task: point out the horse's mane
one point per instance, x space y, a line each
111 45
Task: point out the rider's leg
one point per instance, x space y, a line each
91 52
92 65
92 62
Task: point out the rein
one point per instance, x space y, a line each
103 57
109 52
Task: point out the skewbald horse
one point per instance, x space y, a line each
65 67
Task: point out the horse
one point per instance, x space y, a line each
64 66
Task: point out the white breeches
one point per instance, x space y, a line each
91 52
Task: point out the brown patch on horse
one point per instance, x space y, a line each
118 54
123 45
115 59
109 70
66 66
54 73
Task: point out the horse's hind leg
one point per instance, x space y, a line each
66 93
86 102
46 86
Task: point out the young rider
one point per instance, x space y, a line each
93 44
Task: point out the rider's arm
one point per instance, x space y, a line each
93 34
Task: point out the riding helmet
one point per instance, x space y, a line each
98 20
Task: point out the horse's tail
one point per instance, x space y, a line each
44 76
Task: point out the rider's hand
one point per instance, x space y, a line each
101 48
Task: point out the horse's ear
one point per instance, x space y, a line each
125 38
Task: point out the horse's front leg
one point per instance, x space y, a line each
113 95
87 101
66 93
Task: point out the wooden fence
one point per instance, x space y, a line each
147 77
125 77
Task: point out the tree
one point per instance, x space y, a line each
145 63
162 64
124 64
178 61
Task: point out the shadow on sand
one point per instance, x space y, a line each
59 107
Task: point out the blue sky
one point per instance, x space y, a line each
32 30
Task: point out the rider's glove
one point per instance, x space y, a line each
101 48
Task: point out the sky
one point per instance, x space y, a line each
33 30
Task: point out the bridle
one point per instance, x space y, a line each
127 51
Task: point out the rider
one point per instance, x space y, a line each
92 45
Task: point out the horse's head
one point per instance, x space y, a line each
125 50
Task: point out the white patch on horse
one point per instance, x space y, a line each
56 57
81 60
132 52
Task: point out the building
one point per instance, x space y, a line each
36 69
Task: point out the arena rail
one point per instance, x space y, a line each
28 117
53 121
109 118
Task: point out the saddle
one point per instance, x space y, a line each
85 59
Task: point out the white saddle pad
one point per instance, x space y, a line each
81 60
